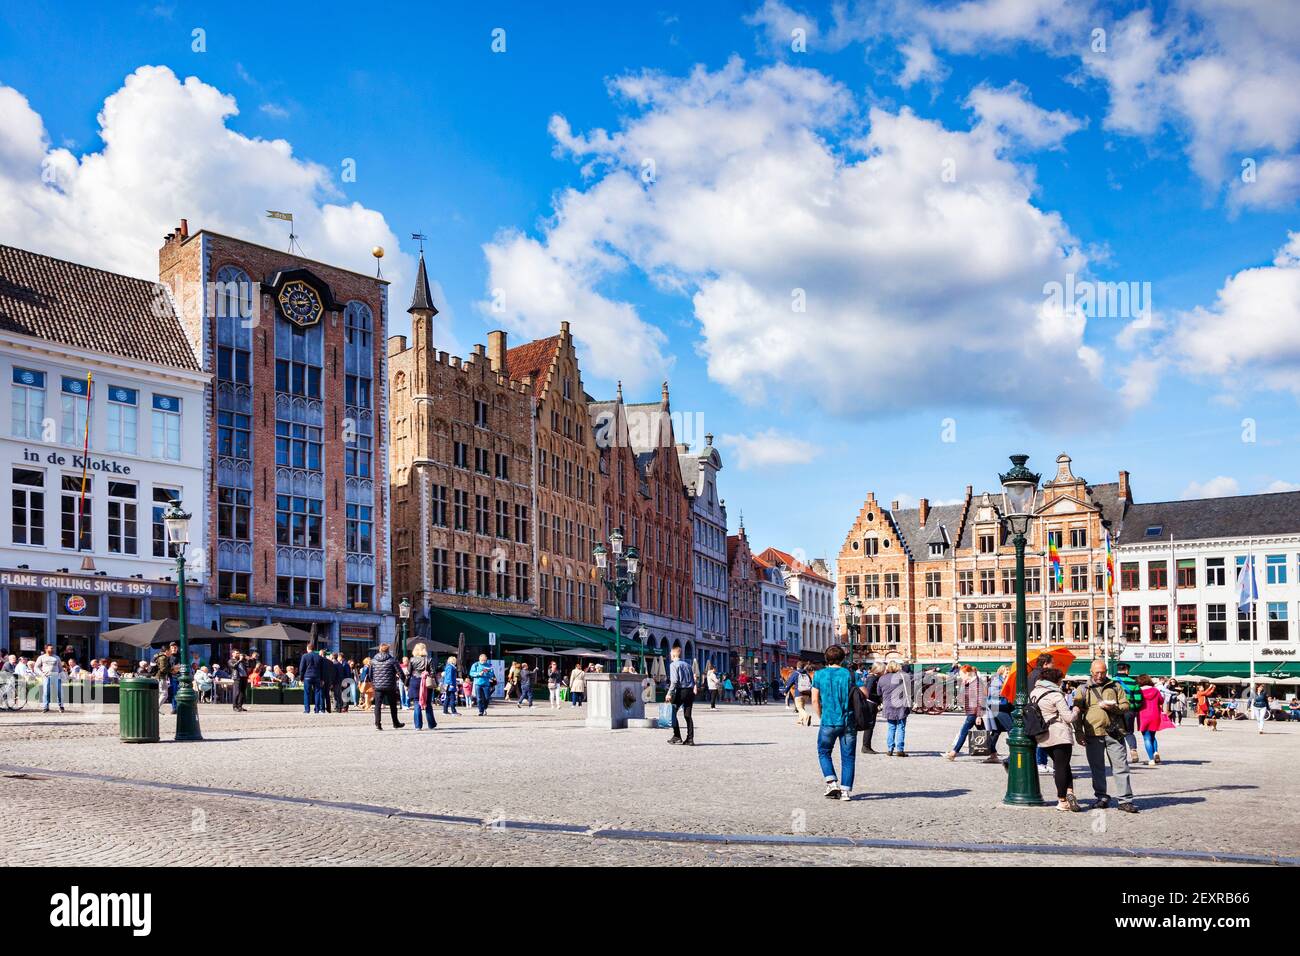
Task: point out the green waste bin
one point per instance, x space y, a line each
137 712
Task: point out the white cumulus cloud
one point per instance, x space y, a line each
1220 487
169 153
864 261
768 449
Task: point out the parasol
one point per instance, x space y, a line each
1062 658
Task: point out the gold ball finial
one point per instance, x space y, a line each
377 252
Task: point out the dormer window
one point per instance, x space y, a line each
936 549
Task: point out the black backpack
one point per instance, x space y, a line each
1035 725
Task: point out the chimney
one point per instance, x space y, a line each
497 352
893 505
564 329
185 229
925 510
396 344
1123 486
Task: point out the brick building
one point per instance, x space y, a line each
643 494
568 505
297 471
462 475
937 584
745 613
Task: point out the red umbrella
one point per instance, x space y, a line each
1062 658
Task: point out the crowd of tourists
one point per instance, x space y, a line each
1103 715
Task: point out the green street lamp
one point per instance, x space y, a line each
177 523
619 581
1019 487
404 611
852 617
642 632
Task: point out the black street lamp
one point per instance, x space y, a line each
1019 488
404 611
177 523
852 617
618 582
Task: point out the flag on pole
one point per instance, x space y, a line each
1110 567
273 214
1054 558
1247 587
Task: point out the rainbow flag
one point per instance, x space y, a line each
1110 567
1054 559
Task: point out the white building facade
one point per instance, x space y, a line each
1177 577
709 568
83 550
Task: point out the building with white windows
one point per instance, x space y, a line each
98 361
815 593
772 604
709 558
1178 564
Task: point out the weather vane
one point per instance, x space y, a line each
419 237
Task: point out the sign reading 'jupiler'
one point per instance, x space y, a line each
105 465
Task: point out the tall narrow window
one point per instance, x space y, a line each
28 404
121 517
121 419
72 506
74 399
29 506
167 427
162 497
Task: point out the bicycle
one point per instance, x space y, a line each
12 696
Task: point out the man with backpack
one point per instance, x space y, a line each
1134 705
1104 704
801 684
832 687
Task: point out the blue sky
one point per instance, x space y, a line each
778 165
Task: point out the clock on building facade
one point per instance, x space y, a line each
300 303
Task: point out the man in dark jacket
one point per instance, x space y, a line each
870 692
239 678
309 671
341 674
327 679
384 675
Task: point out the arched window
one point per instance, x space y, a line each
232 312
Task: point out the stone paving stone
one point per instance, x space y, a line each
754 775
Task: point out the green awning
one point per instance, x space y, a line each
1078 668
1212 669
513 630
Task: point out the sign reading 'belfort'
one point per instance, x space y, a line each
91 463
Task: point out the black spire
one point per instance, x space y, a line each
422 299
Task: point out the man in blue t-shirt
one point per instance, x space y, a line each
482 674
831 687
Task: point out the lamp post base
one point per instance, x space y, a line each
1022 775
187 715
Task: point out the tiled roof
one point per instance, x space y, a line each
90 309
1238 516
532 358
942 524
773 556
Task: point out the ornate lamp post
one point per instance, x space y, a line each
642 632
177 523
1019 486
618 582
404 611
852 617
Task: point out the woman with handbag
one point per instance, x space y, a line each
971 694
422 686
1152 717
1056 738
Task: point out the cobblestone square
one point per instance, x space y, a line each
521 787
